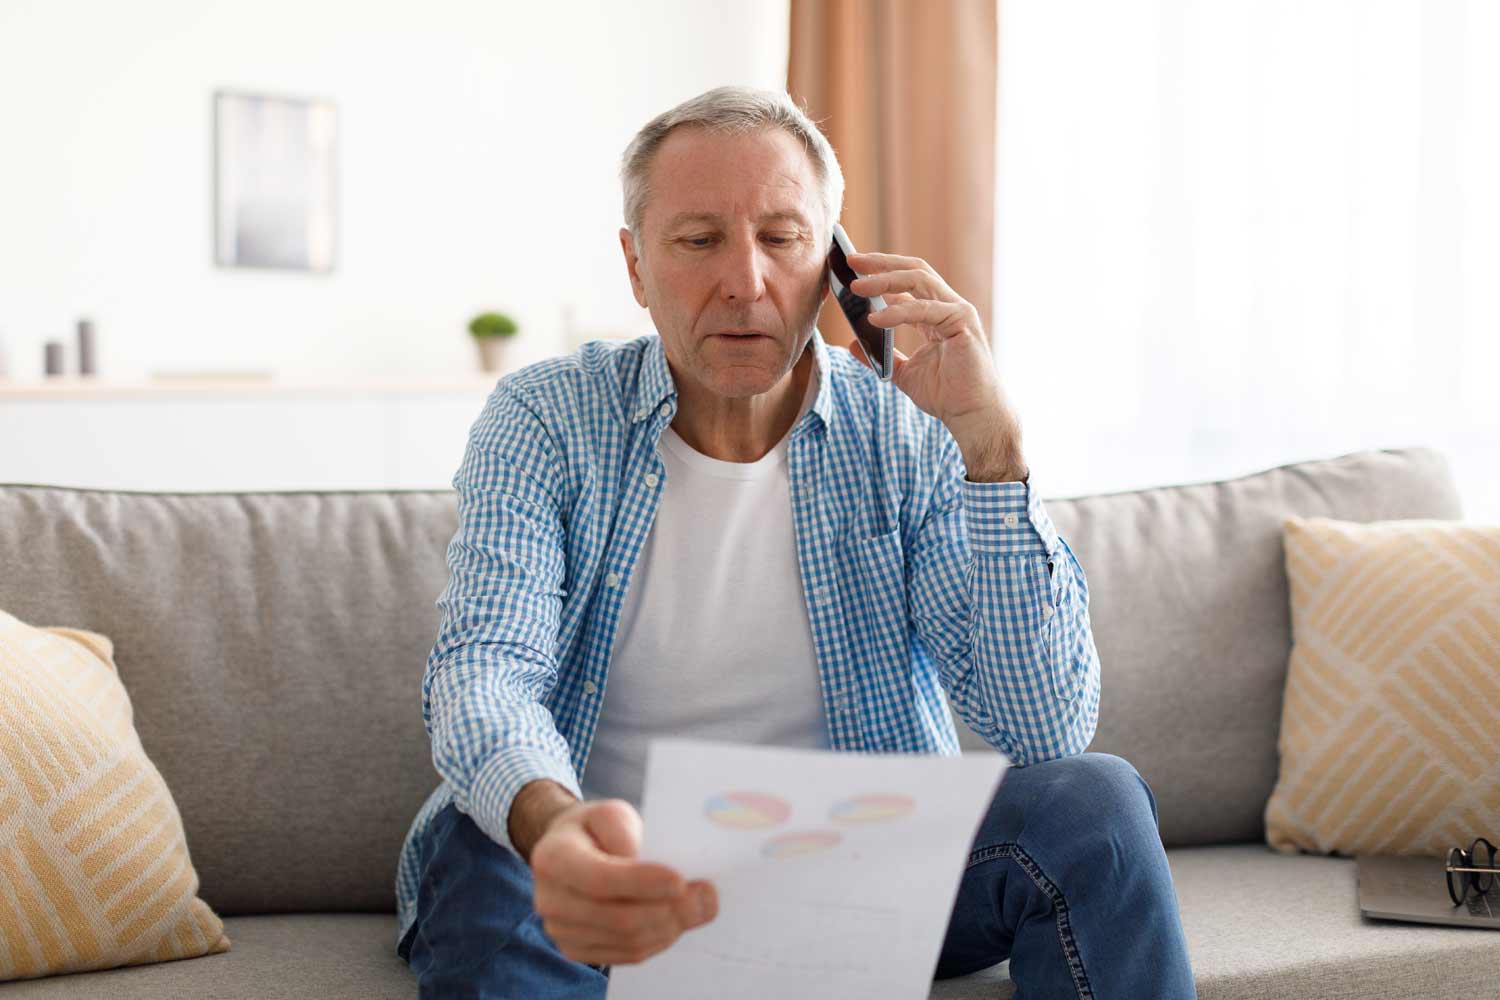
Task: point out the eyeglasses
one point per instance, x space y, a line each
1472 868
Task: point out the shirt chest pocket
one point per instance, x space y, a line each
874 603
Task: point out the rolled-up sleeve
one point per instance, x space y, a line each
1000 603
494 660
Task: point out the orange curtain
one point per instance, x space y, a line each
905 92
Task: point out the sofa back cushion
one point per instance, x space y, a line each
1191 616
272 645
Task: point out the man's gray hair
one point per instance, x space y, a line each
731 110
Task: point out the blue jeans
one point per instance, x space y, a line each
1066 878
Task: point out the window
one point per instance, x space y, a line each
1233 235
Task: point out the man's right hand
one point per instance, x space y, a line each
596 901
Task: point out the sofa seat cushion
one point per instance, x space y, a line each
279 957
1261 924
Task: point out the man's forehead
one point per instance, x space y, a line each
770 215
698 176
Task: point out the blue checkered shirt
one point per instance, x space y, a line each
918 582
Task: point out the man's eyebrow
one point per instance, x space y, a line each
784 215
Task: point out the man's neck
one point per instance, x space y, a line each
741 430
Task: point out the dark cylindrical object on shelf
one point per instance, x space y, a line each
87 359
54 357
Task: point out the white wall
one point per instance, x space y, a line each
479 149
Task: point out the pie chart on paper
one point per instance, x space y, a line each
799 843
872 808
746 810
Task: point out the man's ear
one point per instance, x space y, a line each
827 284
632 262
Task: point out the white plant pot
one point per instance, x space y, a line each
492 352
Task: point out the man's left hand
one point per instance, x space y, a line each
952 375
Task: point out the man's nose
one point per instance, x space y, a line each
743 278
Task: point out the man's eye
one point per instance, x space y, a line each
703 241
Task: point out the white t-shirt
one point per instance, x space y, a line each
714 639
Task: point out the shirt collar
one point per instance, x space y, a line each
823 370
655 383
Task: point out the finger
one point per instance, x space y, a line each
948 318
615 826
571 934
605 916
927 332
706 906
612 878
584 869
628 939
878 263
883 263
925 284
696 904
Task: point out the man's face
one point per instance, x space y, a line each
732 256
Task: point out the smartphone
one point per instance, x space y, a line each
878 344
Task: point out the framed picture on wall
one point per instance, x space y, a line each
275 182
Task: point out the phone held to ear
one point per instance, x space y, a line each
878 344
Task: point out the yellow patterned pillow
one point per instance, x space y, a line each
94 867
1388 738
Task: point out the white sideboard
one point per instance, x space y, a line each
233 434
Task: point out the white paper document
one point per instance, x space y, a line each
836 871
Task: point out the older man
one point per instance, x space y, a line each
731 531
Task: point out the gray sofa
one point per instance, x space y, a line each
273 646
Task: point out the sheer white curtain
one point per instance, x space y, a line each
1232 235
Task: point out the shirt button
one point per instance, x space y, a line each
666 410
652 479
820 595
1011 520
589 687
1047 612
612 579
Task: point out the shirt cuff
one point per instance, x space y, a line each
1007 519
495 787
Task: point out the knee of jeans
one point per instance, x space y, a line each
1111 787
459 861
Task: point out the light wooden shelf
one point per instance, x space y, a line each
222 387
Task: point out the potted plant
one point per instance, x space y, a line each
492 332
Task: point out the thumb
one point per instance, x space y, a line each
616 827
